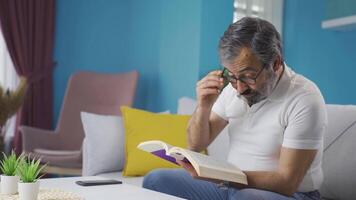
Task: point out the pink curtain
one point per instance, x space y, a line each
28 29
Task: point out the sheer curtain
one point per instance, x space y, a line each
8 80
270 10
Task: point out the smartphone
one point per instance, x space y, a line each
97 182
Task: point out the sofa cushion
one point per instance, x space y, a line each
103 145
219 148
141 126
339 160
186 106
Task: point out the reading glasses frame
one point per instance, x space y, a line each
244 79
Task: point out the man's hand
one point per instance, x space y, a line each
208 89
189 168
194 174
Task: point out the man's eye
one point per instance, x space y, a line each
248 75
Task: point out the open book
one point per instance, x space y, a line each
204 165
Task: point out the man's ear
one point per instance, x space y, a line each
277 64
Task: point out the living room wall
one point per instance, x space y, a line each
89 36
164 47
171 43
325 56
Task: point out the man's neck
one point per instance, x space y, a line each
280 74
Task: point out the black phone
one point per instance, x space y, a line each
97 182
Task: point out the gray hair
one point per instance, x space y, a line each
257 34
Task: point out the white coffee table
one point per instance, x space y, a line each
107 192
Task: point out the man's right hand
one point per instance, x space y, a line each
208 89
205 125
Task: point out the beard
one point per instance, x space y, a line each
254 96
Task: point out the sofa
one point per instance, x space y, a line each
339 162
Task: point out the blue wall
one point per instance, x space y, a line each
174 43
327 57
88 41
340 8
171 43
216 17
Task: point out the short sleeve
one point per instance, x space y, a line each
306 123
220 103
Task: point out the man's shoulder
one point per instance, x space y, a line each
301 87
303 94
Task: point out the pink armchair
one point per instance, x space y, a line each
87 91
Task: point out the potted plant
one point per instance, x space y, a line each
9 178
10 103
29 171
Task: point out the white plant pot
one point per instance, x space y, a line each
28 191
9 184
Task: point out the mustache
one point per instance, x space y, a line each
247 92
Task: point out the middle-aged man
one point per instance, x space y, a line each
276 121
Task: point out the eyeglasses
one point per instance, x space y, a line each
245 78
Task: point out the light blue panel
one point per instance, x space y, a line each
90 35
164 47
340 8
171 43
144 40
179 51
217 15
326 57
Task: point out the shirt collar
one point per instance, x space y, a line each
283 85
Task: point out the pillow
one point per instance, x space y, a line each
219 148
142 126
103 145
186 106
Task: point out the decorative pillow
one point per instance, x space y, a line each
219 148
142 126
103 146
186 106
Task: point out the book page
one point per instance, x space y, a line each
153 145
208 167
206 161
157 148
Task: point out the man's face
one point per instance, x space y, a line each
246 64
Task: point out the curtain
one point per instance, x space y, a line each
28 30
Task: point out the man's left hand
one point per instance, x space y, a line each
189 168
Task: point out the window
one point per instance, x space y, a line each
8 76
8 80
270 10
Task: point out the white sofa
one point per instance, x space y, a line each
339 160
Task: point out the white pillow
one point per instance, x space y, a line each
186 106
103 145
219 148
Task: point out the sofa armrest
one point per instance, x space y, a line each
33 138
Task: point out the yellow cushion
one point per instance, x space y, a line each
141 126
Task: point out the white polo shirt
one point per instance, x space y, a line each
293 116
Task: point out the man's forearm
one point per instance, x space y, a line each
271 181
199 129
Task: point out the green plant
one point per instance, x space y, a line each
29 170
10 163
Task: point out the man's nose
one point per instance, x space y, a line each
241 86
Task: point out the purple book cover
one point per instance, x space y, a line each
162 154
